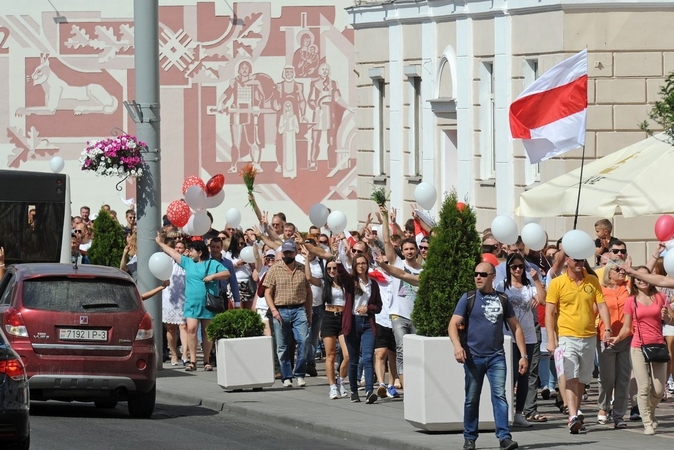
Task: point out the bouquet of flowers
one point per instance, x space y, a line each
379 196
117 156
248 173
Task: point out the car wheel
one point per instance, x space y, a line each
103 404
141 404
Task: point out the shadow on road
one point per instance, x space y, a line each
89 410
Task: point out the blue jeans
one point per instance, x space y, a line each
475 369
293 323
361 338
317 318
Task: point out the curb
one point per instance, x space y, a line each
220 406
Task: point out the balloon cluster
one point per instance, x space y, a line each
320 216
190 214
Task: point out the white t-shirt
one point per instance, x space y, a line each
404 294
338 296
361 300
385 292
242 273
522 300
316 272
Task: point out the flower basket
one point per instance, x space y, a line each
118 156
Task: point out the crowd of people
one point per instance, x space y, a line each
352 295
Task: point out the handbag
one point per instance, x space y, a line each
215 303
653 353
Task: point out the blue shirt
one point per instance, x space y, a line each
233 285
485 323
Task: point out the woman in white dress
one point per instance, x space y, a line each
172 305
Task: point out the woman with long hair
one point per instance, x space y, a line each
172 306
525 297
644 311
362 302
615 366
200 274
333 296
242 270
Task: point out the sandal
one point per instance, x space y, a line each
536 417
208 367
191 366
602 419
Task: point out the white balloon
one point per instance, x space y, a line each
57 164
669 244
425 195
200 223
318 214
668 262
533 236
189 228
504 230
578 244
247 254
215 201
161 265
195 197
337 222
233 217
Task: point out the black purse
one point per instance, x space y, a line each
653 353
215 303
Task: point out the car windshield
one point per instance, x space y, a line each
80 294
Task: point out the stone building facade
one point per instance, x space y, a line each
436 79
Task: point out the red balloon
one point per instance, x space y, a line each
178 213
490 258
215 184
193 181
664 228
460 206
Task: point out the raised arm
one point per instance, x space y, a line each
651 278
166 249
307 267
318 251
253 203
654 257
2 262
386 235
399 273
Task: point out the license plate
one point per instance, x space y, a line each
73 334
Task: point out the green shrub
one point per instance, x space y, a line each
662 112
235 323
448 272
108 245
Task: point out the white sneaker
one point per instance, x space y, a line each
342 390
301 382
521 421
287 383
334 395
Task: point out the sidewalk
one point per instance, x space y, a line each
383 425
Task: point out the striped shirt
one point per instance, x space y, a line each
288 288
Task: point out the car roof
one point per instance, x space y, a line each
33 270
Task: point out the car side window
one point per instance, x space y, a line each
6 288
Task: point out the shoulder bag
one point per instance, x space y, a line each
653 353
214 303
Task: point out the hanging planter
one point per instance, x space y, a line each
118 156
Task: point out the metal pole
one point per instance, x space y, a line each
145 111
580 185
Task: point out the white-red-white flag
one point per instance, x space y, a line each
551 114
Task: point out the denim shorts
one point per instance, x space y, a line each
332 324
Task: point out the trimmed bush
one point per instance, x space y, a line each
108 245
453 253
235 323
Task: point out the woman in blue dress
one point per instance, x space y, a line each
201 272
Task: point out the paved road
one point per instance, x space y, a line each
174 425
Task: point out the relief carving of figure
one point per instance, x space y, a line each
306 58
288 91
288 128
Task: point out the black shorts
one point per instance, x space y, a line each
385 338
332 324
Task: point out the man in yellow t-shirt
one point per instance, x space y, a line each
569 311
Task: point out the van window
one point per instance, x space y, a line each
80 294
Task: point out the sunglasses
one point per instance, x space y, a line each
517 267
618 270
324 242
78 231
423 247
579 261
615 251
358 252
482 274
332 268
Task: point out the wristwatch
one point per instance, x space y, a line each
525 356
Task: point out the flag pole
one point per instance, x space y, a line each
580 185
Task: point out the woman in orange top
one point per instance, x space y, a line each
614 361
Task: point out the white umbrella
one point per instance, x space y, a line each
636 179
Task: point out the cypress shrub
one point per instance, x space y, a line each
453 253
108 245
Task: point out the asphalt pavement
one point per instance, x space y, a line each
383 425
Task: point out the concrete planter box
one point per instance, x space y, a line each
245 363
434 386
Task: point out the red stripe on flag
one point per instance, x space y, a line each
544 108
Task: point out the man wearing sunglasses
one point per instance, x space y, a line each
481 353
617 252
570 309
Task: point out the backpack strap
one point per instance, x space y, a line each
504 304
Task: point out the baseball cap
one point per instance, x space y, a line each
289 246
270 253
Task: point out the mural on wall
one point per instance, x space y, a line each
276 91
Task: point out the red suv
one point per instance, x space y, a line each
82 333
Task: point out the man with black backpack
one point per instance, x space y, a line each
479 347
